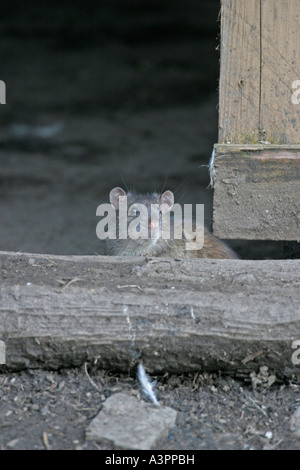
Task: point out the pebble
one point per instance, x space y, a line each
295 422
129 423
11 444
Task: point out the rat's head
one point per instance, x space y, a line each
143 212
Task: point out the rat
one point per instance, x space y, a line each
153 244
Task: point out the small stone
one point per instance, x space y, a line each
45 410
295 422
129 423
11 444
271 380
50 378
34 407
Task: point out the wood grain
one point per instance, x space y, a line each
239 87
280 67
257 192
173 315
260 57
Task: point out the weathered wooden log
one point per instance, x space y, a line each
173 315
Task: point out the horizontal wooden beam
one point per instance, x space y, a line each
256 192
173 315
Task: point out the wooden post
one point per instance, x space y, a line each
239 88
257 184
280 68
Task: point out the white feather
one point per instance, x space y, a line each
147 385
211 168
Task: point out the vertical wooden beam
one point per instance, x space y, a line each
280 68
239 87
260 62
257 174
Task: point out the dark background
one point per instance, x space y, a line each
101 94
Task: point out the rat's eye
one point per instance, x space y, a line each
133 211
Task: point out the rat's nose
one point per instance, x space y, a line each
153 224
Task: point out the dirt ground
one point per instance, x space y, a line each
113 95
46 409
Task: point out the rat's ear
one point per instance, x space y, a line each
114 196
167 198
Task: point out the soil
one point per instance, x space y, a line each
47 409
118 94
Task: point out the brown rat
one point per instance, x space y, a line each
154 244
